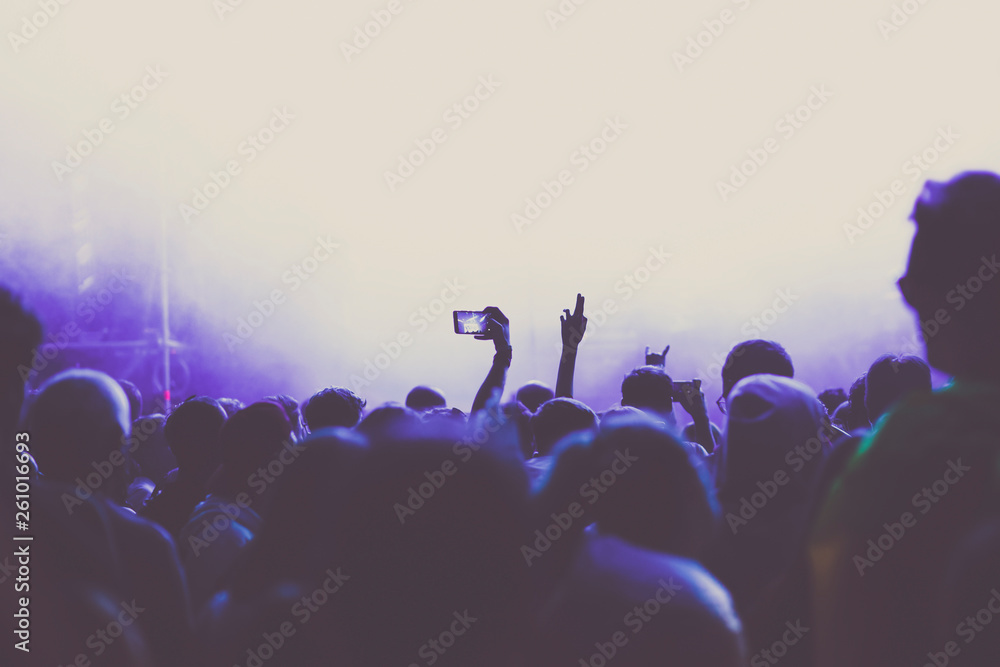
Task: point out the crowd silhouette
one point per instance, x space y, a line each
858 526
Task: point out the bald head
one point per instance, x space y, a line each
78 419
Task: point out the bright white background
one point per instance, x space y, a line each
656 185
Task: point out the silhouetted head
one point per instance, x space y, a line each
250 440
451 415
434 537
334 406
533 395
556 419
857 415
649 388
192 433
292 411
609 418
318 492
832 399
151 451
639 607
774 425
391 418
891 378
425 398
134 398
654 496
951 278
78 423
20 334
755 357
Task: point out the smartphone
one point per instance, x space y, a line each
682 389
470 321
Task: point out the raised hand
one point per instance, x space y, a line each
573 326
691 398
497 328
654 359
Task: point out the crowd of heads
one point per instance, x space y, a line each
537 530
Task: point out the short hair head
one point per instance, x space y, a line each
425 398
953 260
533 394
660 499
251 439
832 399
755 357
890 378
334 406
389 421
192 432
649 388
556 419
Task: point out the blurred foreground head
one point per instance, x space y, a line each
79 422
951 279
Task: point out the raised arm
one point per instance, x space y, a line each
693 401
497 330
573 327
